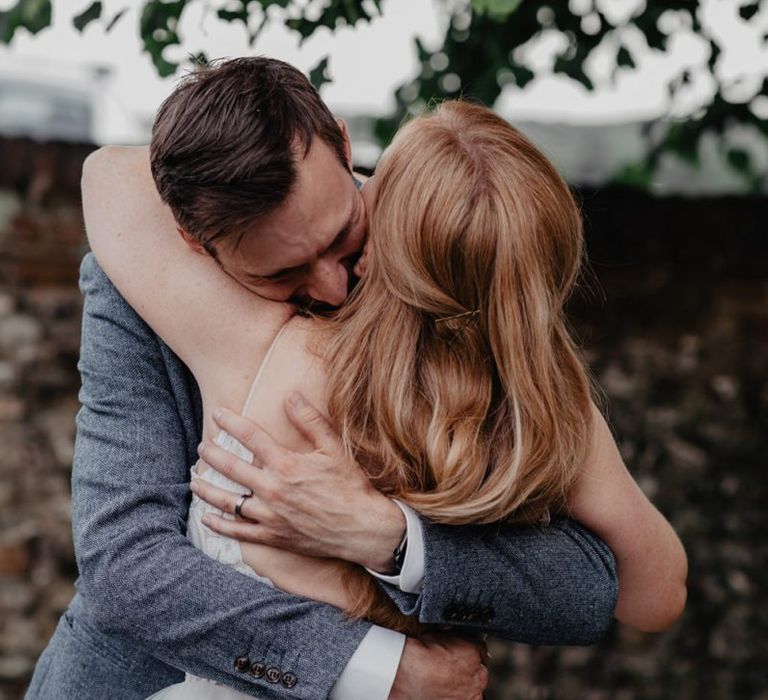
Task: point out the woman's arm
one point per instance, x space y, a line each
197 309
651 562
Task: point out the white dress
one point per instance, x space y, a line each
218 547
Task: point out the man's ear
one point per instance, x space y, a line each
347 141
191 241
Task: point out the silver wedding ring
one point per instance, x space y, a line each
240 503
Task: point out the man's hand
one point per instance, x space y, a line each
320 503
439 667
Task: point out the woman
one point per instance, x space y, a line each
450 373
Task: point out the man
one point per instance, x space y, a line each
256 172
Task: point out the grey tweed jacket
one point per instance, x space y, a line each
150 605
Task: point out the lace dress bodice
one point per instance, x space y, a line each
219 547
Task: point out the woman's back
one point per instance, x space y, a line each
288 364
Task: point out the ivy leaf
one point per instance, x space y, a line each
239 14
624 58
199 60
496 9
683 140
318 76
243 13
637 175
739 160
32 15
523 76
158 31
91 13
111 24
573 70
748 11
336 13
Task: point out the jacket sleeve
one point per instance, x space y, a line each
553 584
138 429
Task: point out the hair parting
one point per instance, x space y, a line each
452 375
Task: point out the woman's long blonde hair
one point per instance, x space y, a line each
453 377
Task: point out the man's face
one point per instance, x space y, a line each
305 250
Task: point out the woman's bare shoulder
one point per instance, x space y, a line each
297 364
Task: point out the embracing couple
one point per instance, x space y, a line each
393 445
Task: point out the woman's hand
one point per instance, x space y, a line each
320 504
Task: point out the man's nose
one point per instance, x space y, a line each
329 282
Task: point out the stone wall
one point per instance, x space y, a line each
675 324
41 243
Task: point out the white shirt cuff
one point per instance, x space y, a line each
411 576
371 670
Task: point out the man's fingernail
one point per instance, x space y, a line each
217 414
193 487
201 448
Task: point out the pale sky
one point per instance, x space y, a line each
368 62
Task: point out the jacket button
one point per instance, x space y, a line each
273 674
242 663
258 669
289 679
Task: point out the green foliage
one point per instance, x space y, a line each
88 15
319 76
336 13
624 58
482 52
500 9
748 10
32 15
636 175
159 20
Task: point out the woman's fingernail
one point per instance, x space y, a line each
207 520
193 487
296 399
217 414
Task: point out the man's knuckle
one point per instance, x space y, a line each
286 464
270 519
269 492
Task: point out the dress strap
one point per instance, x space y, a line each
261 370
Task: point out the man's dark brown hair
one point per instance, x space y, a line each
226 143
